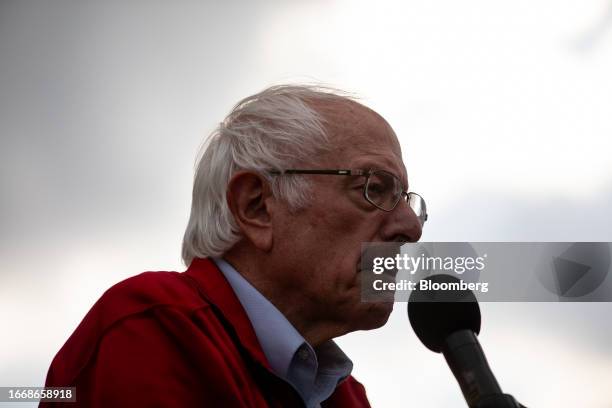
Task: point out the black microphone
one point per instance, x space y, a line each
448 321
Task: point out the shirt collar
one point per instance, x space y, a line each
278 338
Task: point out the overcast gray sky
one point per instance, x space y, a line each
502 110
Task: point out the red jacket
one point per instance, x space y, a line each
169 339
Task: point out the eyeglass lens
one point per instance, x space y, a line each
417 204
384 190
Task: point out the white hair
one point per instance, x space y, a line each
275 129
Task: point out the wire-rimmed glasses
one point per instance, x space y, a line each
381 189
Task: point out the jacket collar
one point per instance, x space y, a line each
213 286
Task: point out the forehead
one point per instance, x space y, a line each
361 138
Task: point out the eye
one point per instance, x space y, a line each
378 188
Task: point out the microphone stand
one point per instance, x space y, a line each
499 401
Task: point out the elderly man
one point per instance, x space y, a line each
289 186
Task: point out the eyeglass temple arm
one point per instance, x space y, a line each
342 172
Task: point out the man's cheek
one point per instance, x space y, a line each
350 278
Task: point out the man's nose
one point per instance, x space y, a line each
402 224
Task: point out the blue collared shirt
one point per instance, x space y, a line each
315 374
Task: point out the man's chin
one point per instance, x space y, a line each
377 315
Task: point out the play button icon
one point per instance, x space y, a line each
576 269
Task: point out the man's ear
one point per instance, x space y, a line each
248 196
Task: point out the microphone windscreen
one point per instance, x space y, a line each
435 311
